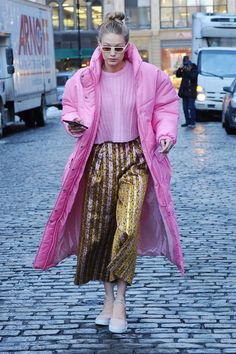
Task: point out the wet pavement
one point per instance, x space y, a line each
44 312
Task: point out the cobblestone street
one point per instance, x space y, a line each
44 312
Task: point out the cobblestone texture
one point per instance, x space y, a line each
43 312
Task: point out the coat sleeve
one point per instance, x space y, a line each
192 74
69 103
166 109
179 72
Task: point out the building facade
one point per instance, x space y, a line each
161 29
75 23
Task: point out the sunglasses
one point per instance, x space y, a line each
108 49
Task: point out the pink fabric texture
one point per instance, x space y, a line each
118 117
157 107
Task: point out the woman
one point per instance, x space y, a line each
118 174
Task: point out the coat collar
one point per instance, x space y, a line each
132 55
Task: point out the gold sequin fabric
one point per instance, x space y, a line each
115 189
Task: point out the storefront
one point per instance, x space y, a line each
172 53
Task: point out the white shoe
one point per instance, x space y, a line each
103 319
118 325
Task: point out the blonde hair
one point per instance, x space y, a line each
114 23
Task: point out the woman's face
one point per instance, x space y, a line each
113 49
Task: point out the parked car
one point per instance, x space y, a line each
62 77
229 108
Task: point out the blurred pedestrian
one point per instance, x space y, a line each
115 200
188 90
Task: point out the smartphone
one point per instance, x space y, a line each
75 124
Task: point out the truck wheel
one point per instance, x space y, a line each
40 113
28 118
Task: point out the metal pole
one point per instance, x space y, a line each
79 37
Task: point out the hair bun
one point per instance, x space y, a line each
115 16
114 22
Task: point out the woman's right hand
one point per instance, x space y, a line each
75 130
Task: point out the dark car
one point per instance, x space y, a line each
62 77
229 108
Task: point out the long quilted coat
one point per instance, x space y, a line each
158 112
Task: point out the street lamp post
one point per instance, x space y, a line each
79 37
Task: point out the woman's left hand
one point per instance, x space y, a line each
166 145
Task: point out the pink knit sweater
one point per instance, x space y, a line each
118 119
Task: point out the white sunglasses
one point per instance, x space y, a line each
108 49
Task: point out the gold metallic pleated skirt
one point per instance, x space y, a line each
115 188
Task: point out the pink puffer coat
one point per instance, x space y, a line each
158 112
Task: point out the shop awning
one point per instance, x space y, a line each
65 53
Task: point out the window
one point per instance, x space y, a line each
96 13
180 2
166 2
220 8
68 14
178 13
224 63
71 14
180 17
138 14
55 14
144 54
82 14
167 17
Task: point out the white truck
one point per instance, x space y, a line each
27 62
214 52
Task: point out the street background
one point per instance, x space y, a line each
45 312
